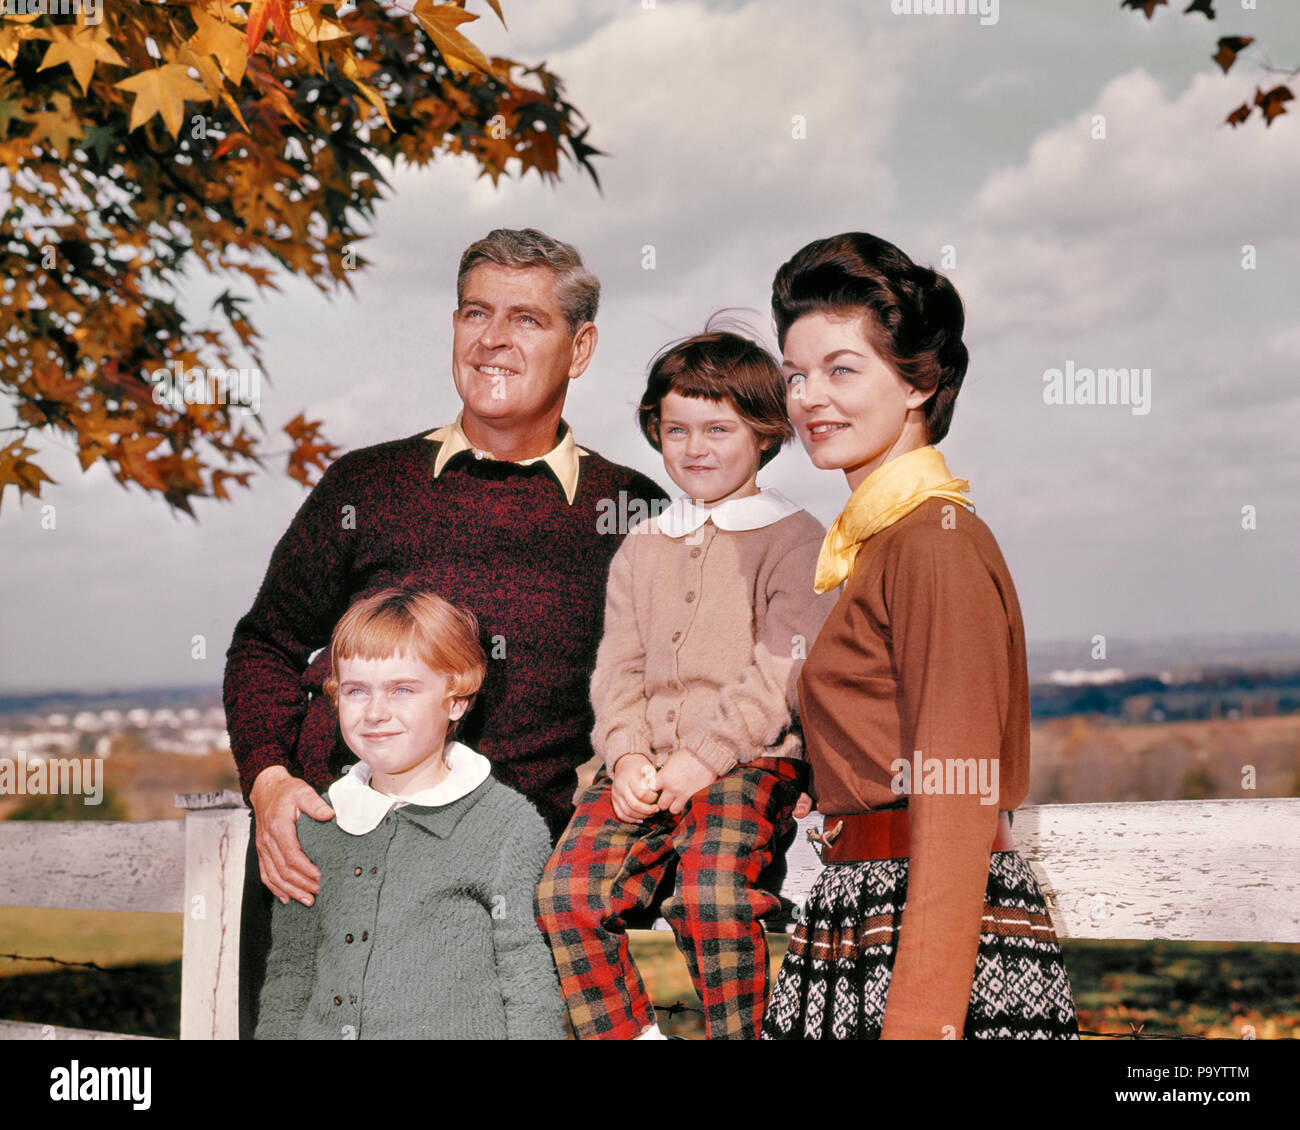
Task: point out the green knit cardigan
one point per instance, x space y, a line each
423 929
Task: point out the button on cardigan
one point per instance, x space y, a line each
423 929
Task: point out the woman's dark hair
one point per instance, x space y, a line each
913 316
719 365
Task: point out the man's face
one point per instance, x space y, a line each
512 353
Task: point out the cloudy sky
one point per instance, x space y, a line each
966 143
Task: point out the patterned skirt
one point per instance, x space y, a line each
834 980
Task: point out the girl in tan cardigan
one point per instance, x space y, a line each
709 611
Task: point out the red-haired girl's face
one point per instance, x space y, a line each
394 714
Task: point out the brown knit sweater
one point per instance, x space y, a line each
704 637
925 651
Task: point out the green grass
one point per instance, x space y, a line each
137 991
106 937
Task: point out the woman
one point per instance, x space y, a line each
925 923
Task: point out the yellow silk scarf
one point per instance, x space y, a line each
889 493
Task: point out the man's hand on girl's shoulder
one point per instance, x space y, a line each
278 798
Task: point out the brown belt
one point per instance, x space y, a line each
860 836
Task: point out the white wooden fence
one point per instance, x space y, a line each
1214 870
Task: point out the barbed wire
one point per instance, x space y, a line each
126 971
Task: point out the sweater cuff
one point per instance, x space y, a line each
251 765
623 742
713 754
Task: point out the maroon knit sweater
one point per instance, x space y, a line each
494 537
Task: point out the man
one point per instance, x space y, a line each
499 512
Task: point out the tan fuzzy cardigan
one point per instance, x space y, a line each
704 638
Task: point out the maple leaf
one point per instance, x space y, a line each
371 95
1229 47
50 381
441 21
131 455
223 42
164 91
308 451
1148 6
311 28
81 48
17 470
59 126
13 33
1270 103
1239 115
220 478
277 11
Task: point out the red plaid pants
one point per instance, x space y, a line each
603 868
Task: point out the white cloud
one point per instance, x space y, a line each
1087 233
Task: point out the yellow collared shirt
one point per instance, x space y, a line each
562 459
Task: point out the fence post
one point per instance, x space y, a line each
216 838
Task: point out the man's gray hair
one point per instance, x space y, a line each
577 290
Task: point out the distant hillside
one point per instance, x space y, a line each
72 702
1180 656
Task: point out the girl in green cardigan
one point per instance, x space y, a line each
423 927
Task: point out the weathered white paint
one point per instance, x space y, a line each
216 837
1188 870
17 1030
93 865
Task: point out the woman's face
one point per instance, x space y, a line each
851 410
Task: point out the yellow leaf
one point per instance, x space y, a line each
233 107
440 21
222 41
164 91
12 36
312 25
59 126
81 48
209 75
373 96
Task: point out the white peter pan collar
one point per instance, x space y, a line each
359 808
752 512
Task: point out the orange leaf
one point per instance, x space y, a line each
277 11
164 91
17 471
440 21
